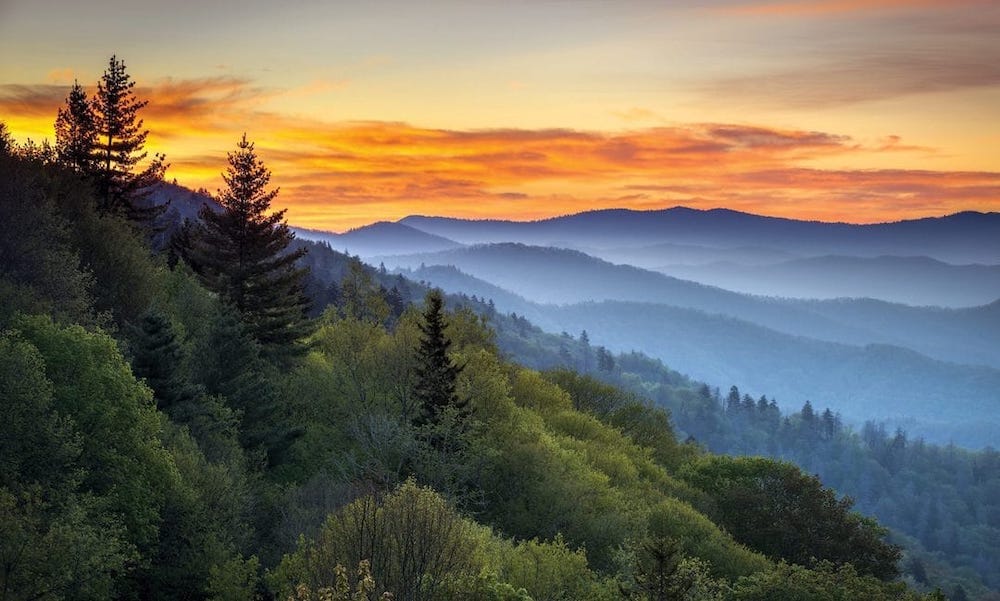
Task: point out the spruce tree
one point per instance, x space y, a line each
159 359
119 143
230 366
242 254
436 373
76 132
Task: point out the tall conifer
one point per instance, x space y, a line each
242 254
76 132
119 143
436 373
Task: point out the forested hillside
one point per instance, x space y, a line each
723 339
177 425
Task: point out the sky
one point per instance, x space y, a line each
836 110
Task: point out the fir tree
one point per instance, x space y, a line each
242 254
76 133
230 365
436 373
159 359
119 148
733 400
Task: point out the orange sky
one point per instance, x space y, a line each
561 112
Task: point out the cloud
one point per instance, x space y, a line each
61 76
873 50
32 100
341 174
821 8
638 114
863 77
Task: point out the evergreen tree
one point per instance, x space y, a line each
119 144
230 365
159 359
585 350
658 574
808 414
397 304
6 142
241 254
76 133
733 400
436 373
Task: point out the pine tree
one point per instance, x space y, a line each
733 400
230 365
242 254
119 148
76 132
436 373
159 359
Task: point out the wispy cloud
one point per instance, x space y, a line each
33 100
341 174
862 77
842 52
821 8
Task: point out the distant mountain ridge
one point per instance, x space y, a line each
863 380
966 237
909 280
380 238
930 368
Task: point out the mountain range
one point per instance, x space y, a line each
910 280
898 322
967 237
380 238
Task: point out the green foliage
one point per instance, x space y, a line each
103 496
360 296
588 394
52 550
40 267
434 389
650 427
776 509
127 278
204 521
482 587
825 583
229 364
660 572
412 538
700 537
241 254
534 392
122 457
55 538
159 359
551 571
235 580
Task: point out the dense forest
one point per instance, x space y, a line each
941 502
209 410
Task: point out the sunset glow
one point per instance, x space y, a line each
826 109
